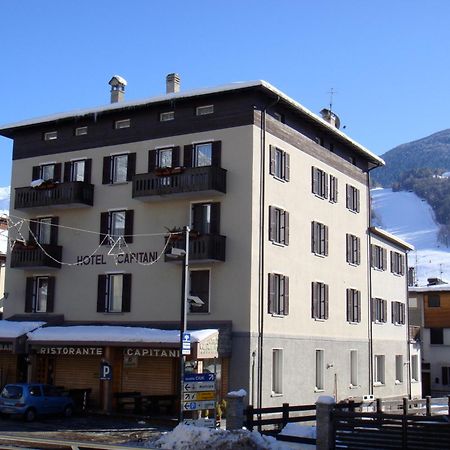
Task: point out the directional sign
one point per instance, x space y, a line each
187 338
210 423
199 386
199 377
194 406
186 347
191 396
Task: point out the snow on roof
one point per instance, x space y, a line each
114 333
390 237
434 288
120 79
193 93
12 330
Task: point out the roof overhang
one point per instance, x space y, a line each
391 238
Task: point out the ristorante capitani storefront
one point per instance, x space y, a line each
112 361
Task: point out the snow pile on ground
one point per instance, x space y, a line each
294 429
410 218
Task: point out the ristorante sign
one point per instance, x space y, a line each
121 258
70 351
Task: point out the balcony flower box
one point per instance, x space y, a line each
167 171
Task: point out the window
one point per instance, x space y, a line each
119 124
412 302
319 305
163 158
399 369
278 294
116 224
44 230
203 154
206 218
278 225
379 310
353 305
398 313
50 135
397 263
78 170
279 163
320 370
378 257
319 238
199 287
39 297
204 110
353 368
379 370
445 374
353 249
114 293
278 116
352 198
333 189
415 368
319 182
47 172
277 371
81 131
167 116
434 301
436 336
119 168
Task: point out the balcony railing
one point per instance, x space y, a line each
208 247
180 181
74 193
32 256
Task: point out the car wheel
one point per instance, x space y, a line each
30 415
68 411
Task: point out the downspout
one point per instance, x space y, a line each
261 265
408 343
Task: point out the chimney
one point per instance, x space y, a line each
117 84
330 117
172 83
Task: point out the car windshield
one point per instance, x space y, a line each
13 392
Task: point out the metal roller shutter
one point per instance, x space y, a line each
8 369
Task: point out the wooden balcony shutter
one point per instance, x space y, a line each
287 166
272 223
315 300
51 294
87 170
126 293
286 228
54 231
271 293
272 152
187 155
36 173
67 171
29 295
106 178
129 224
216 157
152 154
286 296
215 218
101 293
57 172
176 156
131 166
104 225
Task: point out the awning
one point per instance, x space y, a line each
12 335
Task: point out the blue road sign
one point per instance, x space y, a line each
186 337
105 371
200 377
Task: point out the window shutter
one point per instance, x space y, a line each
358 299
314 181
272 223
106 179
372 255
216 153
152 160
176 156
392 262
286 228
36 173
325 231
272 160
67 170
51 294
197 217
188 149
357 200
126 293
393 311
271 292
314 300
87 170
33 230
384 251
131 166
101 293
104 222
384 318
286 296
129 219
215 218
325 316
402 264
349 305
348 196
373 302
358 250
444 375
325 184
54 231
287 166
313 237
348 240
29 294
57 172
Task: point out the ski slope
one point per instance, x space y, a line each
412 219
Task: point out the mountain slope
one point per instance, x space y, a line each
432 152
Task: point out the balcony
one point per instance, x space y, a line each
179 182
33 257
74 194
205 248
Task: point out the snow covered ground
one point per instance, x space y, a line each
412 219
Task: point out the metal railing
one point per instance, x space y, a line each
201 248
33 256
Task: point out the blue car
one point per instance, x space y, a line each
32 399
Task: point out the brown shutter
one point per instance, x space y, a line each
176 156
104 225
314 300
106 179
36 173
67 171
349 305
152 154
54 231
325 231
372 255
51 294
87 170
101 293
358 299
187 156
392 262
271 292
33 224
57 172
272 223
216 157
348 196
286 296
373 304
131 166
348 239
357 200
215 218
393 311
129 219
29 295
402 264
384 311
314 187
325 184
126 293
286 228
358 250
287 166
326 301
272 160
384 252
313 237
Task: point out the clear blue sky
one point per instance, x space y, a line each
388 61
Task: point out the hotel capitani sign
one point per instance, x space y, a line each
152 352
121 258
